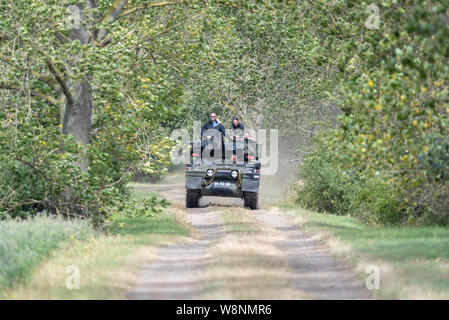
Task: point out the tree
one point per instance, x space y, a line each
96 71
391 138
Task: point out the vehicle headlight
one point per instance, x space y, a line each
234 174
209 172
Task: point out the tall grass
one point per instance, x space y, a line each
23 244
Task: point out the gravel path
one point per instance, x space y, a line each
312 269
180 271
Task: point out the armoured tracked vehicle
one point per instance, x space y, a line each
235 174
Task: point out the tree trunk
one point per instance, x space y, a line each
77 117
77 114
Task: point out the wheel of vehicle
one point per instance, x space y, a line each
192 198
250 200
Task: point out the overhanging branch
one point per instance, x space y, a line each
168 29
47 79
33 93
118 6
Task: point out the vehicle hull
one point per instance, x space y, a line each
222 184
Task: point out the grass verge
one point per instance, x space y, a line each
24 244
107 262
413 262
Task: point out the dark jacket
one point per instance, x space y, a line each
239 126
209 125
237 130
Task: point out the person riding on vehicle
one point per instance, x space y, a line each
210 130
237 129
213 123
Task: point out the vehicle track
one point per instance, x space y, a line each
180 271
313 269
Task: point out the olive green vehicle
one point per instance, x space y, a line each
232 178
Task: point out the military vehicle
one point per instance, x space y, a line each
235 174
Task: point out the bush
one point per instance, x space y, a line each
375 202
325 188
39 174
24 244
375 196
432 205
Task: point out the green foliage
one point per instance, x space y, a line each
260 65
137 208
394 96
153 67
436 160
24 244
34 173
325 189
375 201
137 100
287 65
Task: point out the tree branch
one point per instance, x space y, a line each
130 168
151 5
61 81
47 79
44 97
168 29
110 16
133 10
62 38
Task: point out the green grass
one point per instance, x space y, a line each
140 192
164 224
35 253
419 256
24 244
108 262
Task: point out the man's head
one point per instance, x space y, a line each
235 121
213 117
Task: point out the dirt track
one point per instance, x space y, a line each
236 253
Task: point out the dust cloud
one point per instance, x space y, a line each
274 188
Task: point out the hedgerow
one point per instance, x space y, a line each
393 89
